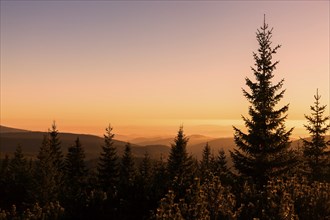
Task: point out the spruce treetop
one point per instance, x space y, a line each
315 150
108 167
264 150
178 155
75 164
317 124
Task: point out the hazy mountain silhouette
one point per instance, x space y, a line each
193 139
31 142
215 144
5 129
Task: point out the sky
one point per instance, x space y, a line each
148 67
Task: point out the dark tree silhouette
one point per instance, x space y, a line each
45 174
160 179
315 150
145 170
221 162
75 169
55 146
206 162
221 168
178 158
263 151
75 180
127 169
143 188
4 181
108 167
127 184
180 164
4 166
206 157
58 158
75 166
19 180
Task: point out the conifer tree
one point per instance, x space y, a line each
20 179
315 150
127 169
76 180
180 164
108 167
145 169
144 184
221 162
221 168
4 166
160 179
45 174
15 180
127 180
263 151
178 158
58 158
206 162
55 145
144 180
206 157
75 167
4 181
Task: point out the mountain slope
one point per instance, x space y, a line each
216 145
31 142
5 129
193 139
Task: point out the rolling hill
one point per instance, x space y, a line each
193 139
216 144
4 129
30 141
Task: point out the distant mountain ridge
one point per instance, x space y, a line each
5 129
30 141
193 139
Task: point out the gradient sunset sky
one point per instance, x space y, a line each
148 67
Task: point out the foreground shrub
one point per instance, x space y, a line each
51 211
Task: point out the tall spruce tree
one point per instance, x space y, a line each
178 158
4 168
55 145
263 151
206 162
75 167
206 158
46 187
160 179
58 158
108 167
315 150
221 168
145 169
127 168
20 181
144 192
5 182
180 164
76 180
127 184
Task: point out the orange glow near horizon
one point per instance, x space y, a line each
148 67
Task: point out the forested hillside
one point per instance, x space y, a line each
30 143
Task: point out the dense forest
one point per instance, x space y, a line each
269 179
